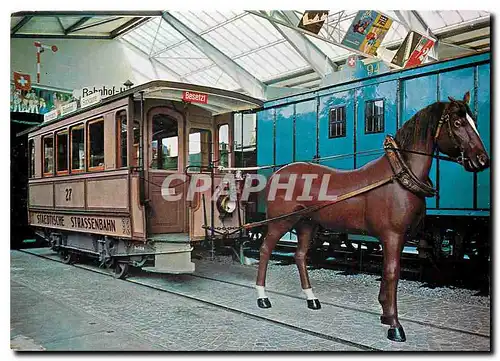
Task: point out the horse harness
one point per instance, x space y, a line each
403 173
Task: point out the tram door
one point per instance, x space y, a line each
166 158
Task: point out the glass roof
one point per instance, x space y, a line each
254 44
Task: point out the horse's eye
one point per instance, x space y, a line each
457 123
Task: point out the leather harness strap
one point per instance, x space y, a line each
403 173
317 207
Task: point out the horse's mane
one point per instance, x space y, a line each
418 128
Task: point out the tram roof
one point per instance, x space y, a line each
219 101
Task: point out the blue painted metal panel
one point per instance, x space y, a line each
483 126
265 137
305 130
284 134
455 184
265 148
364 142
336 146
458 212
417 94
394 75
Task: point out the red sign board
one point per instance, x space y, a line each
419 55
22 81
192 97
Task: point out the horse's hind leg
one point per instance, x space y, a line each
275 231
305 233
392 246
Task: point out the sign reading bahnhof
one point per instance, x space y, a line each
116 226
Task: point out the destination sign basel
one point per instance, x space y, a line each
118 226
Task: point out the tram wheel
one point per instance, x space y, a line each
67 257
121 270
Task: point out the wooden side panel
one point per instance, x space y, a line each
108 193
136 210
70 194
166 216
41 195
109 140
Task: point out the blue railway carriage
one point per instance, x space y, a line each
340 125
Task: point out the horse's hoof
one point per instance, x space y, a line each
396 334
386 320
313 304
263 302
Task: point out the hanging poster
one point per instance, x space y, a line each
37 100
313 20
413 51
367 31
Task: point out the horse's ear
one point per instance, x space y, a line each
467 98
453 100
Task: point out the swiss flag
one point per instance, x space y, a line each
22 81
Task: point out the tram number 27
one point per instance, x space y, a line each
68 194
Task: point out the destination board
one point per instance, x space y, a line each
112 226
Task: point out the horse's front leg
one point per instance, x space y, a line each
392 246
274 233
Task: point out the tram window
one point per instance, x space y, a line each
224 145
48 155
62 152
337 122
31 151
165 143
121 126
374 116
200 149
96 145
77 149
134 162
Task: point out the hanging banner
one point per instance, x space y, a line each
367 31
313 20
413 51
22 81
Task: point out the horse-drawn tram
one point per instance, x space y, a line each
99 175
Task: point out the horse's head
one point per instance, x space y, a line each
457 136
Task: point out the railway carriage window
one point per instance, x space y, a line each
62 152
77 149
374 116
224 145
31 151
337 123
96 145
165 143
48 155
200 149
121 126
134 162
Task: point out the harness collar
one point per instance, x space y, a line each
403 173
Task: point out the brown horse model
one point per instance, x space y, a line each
375 199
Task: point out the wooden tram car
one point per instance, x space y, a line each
96 175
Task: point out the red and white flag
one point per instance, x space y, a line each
22 81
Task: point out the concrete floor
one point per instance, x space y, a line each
60 307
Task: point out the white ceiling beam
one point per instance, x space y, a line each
241 76
175 76
318 60
328 40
